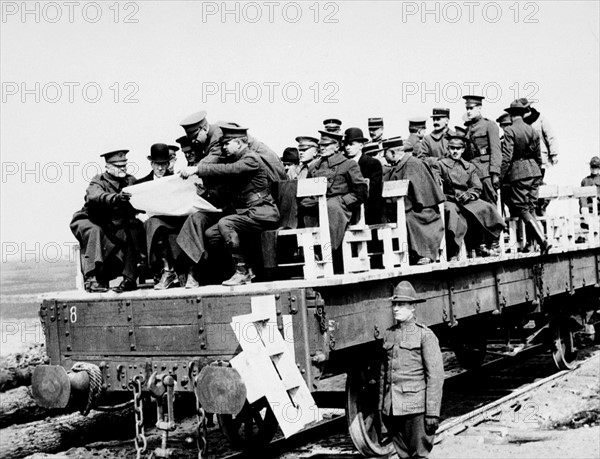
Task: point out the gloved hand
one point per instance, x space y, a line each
431 424
120 198
495 180
463 197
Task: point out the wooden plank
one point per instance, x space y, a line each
316 186
164 312
395 188
102 339
167 338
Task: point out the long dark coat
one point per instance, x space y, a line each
435 145
371 169
346 190
106 230
423 220
485 153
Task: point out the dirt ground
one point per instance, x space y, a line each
557 420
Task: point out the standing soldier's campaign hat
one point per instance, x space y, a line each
504 119
117 157
473 100
375 123
290 155
193 122
307 141
441 113
159 153
525 102
371 149
595 161
516 107
394 142
417 122
232 131
405 292
332 125
330 137
354 135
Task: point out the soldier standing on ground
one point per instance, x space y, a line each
412 377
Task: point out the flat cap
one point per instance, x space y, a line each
307 141
115 157
473 100
441 113
375 123
193 121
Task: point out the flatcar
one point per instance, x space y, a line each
260 355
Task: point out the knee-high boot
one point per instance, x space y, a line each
536 231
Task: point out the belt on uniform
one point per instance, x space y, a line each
251 198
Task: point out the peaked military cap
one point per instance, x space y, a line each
330 137
461 130
375 123
173 148
473 100
115 157
504 119
194 121
441 113
184 141
417 122
290 155
354 134
406 293
516 107
457 138
595 161
232 131
394 142
307 141
371 149
332 122
159 153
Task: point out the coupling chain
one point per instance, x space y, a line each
140 441
538 273
201 429
321 318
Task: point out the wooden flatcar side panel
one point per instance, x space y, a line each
48 319
216 314
583 271
108 339
556 275
515 284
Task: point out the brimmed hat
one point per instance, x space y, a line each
307 141
330 137
193 121
354 134
290 155
504 119
371 149
375 123
595 161
117 157
472 100
405 292
159 153
440 113
516 107
232 131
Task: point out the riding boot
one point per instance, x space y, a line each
536 231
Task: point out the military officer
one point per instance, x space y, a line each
346 187
521 162
333 125
188 151
371 169
307 151
485 154
375 150
591 180
435 144
504 120
110 237
245 177
376 129
423 220
417 128
160 158
412 377
291 162
173 149
465 212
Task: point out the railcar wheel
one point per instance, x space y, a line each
252 428
363 415
564 351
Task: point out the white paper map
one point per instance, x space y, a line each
170 196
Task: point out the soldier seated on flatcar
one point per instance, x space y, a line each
591 180
465 212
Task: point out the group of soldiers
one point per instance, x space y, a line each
464 168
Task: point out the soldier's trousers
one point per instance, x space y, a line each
523 196
408 435
488 192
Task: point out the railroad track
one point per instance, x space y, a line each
469 398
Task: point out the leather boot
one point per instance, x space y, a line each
126 285
240 277
536 232
167 279
191 281
92 285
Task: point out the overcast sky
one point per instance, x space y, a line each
83 78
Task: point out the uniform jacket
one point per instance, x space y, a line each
344 179
458 177
150 177
244 178
99 206
371 169
416 143
435 145
521 155
412 371
485 150
548 142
